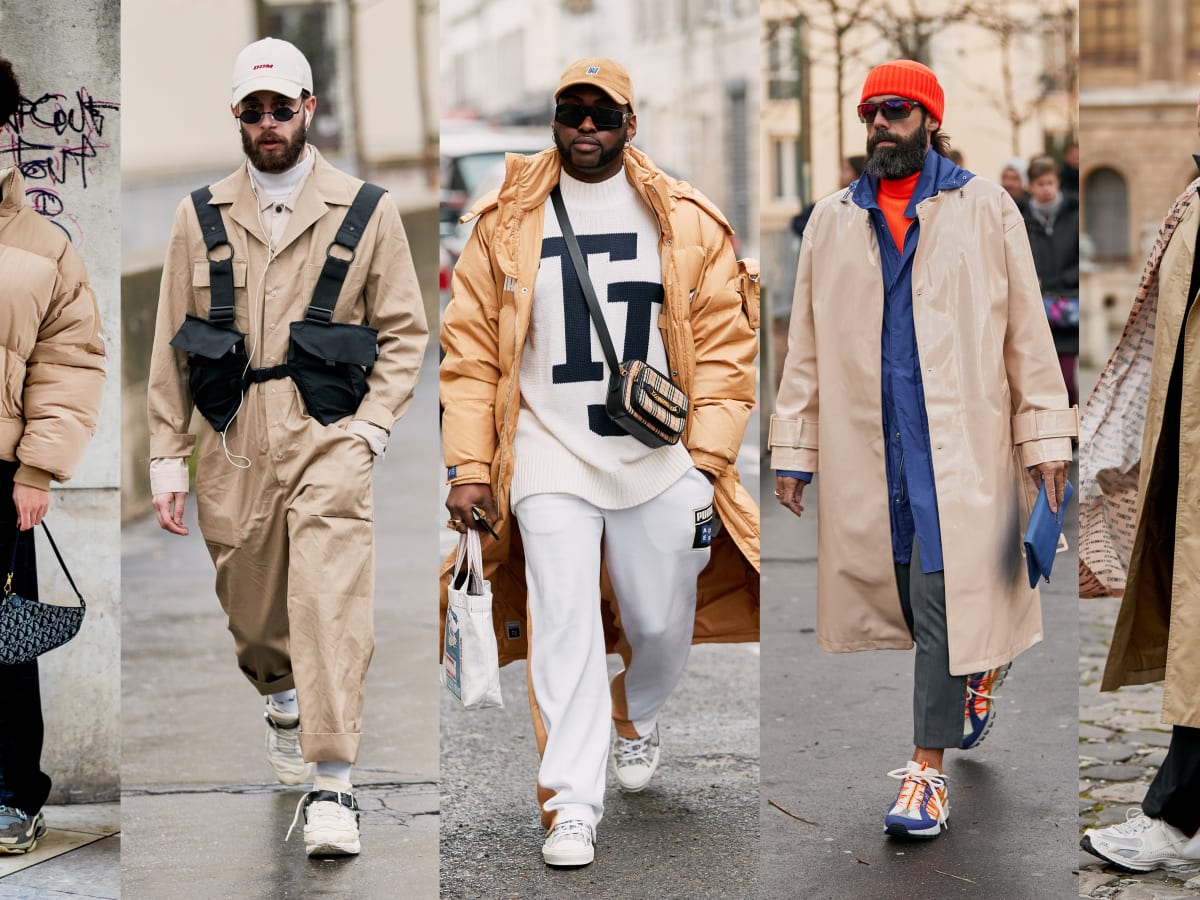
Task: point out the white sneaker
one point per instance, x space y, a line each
330 823
570 843
1140 844
634 761
283 747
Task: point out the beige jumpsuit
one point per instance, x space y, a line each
291 532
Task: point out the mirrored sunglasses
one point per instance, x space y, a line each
603 117
891 109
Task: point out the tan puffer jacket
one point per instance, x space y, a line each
709 318
50 344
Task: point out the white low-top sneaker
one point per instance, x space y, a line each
570 843
283 747
330 823
1140 844
634 761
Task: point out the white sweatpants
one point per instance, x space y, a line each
653 561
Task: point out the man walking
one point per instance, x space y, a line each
526 435
919 354
1140 534
290 317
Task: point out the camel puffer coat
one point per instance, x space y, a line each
50 344
708 323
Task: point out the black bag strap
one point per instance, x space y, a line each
333 273
585 281
220 271
12 564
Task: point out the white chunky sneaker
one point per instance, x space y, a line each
1140 844
283 747
570 843
330 823
634 761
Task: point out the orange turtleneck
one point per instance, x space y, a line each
893 198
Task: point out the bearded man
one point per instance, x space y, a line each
920 356
674 528
290 318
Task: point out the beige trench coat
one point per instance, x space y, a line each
1157 635
992 383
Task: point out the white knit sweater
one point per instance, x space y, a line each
565 443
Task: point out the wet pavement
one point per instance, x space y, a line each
693 833
199 802
833 725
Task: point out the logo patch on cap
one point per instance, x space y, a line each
593 70
264 66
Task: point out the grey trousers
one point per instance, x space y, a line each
939 698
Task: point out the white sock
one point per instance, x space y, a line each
334 771
285 702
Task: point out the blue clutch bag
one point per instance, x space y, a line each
1041 537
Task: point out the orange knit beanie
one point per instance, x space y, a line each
906 78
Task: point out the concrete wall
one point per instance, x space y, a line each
65 53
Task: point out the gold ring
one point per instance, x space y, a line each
453 524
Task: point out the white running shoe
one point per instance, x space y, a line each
570 843
330 823
1140 844
634 761
283 747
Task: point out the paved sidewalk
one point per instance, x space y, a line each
79 856
1122 742
201 811
693 833
833 725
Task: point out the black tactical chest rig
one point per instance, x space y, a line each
329 361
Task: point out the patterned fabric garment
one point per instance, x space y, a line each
1110 434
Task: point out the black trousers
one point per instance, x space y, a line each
1174 794
22 782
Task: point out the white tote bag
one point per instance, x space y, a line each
470 663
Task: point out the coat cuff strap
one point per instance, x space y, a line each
793 433
1041 424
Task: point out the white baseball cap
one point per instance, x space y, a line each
271 65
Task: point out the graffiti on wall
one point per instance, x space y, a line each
56 140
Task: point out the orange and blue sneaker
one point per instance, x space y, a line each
981 710
922 806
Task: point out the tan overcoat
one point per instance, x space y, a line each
1157 635
710 313
992 385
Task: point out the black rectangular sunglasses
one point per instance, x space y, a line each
603 117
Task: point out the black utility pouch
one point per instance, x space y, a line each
216 363
330 362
